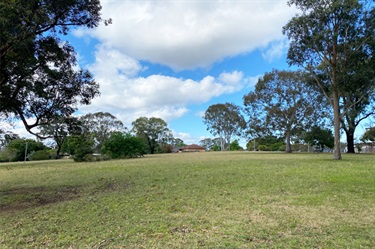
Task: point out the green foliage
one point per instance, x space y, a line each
320 137
59 128
79 146
40 155
101 125
335 42
282 103
151 131
369 135
225 121
38 76
235 145
121 145
16 148
266 143
8 155
216 148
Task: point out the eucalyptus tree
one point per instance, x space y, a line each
225 121
207 143
151 131
331 39
59 129
283 104
101 125
38 70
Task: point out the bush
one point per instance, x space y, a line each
167 148
79 146
39 155
123 146
263 147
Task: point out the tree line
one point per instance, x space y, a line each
331 42
92 137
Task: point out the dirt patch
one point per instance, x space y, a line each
12 200
23 198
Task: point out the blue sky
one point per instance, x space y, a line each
173 59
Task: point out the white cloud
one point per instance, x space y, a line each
275 50
131 96
251 81
190 34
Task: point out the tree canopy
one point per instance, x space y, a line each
369 135
282 104
224 120
38 75
101 125
330 39
151 131
320 137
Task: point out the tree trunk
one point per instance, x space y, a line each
350 140
288 146
222 144
337 123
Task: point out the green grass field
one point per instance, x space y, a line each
191 200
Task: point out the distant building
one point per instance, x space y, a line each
193 148
365 148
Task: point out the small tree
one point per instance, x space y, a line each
320 137
24 147
79 146
224 120
151 131
121 145
235 145
59 129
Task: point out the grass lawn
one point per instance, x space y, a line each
191 200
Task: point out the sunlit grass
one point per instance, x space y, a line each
192 200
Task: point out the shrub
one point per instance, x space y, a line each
39 155
123 146
263 147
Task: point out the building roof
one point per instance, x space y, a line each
193 147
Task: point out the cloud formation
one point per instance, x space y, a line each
190 34
123 91
182 35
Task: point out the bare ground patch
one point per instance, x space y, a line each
23 198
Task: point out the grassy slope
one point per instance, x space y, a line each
208 200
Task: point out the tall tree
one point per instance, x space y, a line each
224 120
207 143
328 39
38 75
282 103
101 125
151 130
59 129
